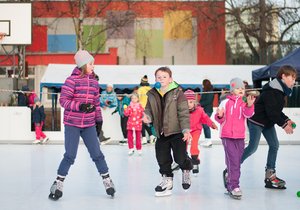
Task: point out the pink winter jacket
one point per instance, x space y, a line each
199 117
76 90
233 122
134 112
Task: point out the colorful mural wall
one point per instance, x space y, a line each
150 32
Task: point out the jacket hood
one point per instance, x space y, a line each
278 85
77 72
233 97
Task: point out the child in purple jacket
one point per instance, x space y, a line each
232 114
80 100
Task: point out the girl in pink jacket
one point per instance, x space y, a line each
197 118
232 114
134 112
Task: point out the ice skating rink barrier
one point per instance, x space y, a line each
15 127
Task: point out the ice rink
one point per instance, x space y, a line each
27 172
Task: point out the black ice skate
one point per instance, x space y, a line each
109 185
273 182
195 169
186 179
165 187
196 163
56 190
225 175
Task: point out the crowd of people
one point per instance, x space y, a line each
173 118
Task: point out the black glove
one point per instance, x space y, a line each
87 108
99 127
114 112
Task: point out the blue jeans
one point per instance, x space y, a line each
89 136
270 135
206 129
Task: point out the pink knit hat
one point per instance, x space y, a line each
83 57
190 95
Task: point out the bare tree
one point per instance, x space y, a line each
82 12
265 23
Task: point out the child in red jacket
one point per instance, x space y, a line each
197 118
134 112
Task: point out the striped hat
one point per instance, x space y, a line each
190 95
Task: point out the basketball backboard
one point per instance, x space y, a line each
16 23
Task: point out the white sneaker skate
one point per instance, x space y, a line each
45 140
131 152
140 152
165 187
236 193
206 143
144 140
37 141
152 139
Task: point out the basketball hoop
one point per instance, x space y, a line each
2 35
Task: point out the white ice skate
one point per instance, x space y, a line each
165 187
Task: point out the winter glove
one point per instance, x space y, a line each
99 127
87 108
125 106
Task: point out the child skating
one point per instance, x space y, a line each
168 110
198 117
38 118
134 112
232 114
80 100
268 112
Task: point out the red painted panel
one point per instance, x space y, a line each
44 59
211 40
144 9
39 39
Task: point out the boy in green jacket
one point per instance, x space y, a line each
167 109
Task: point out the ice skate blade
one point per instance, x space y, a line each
186 187
195 174
53 197
236 197
163 194
275 187
233 196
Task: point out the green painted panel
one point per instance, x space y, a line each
94 37
149 43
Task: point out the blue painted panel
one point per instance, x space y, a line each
62 43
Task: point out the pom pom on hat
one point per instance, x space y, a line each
236 83
190 95
83 57
144 81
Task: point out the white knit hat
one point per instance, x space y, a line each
83 57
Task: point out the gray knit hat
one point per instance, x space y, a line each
236 83
83 57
